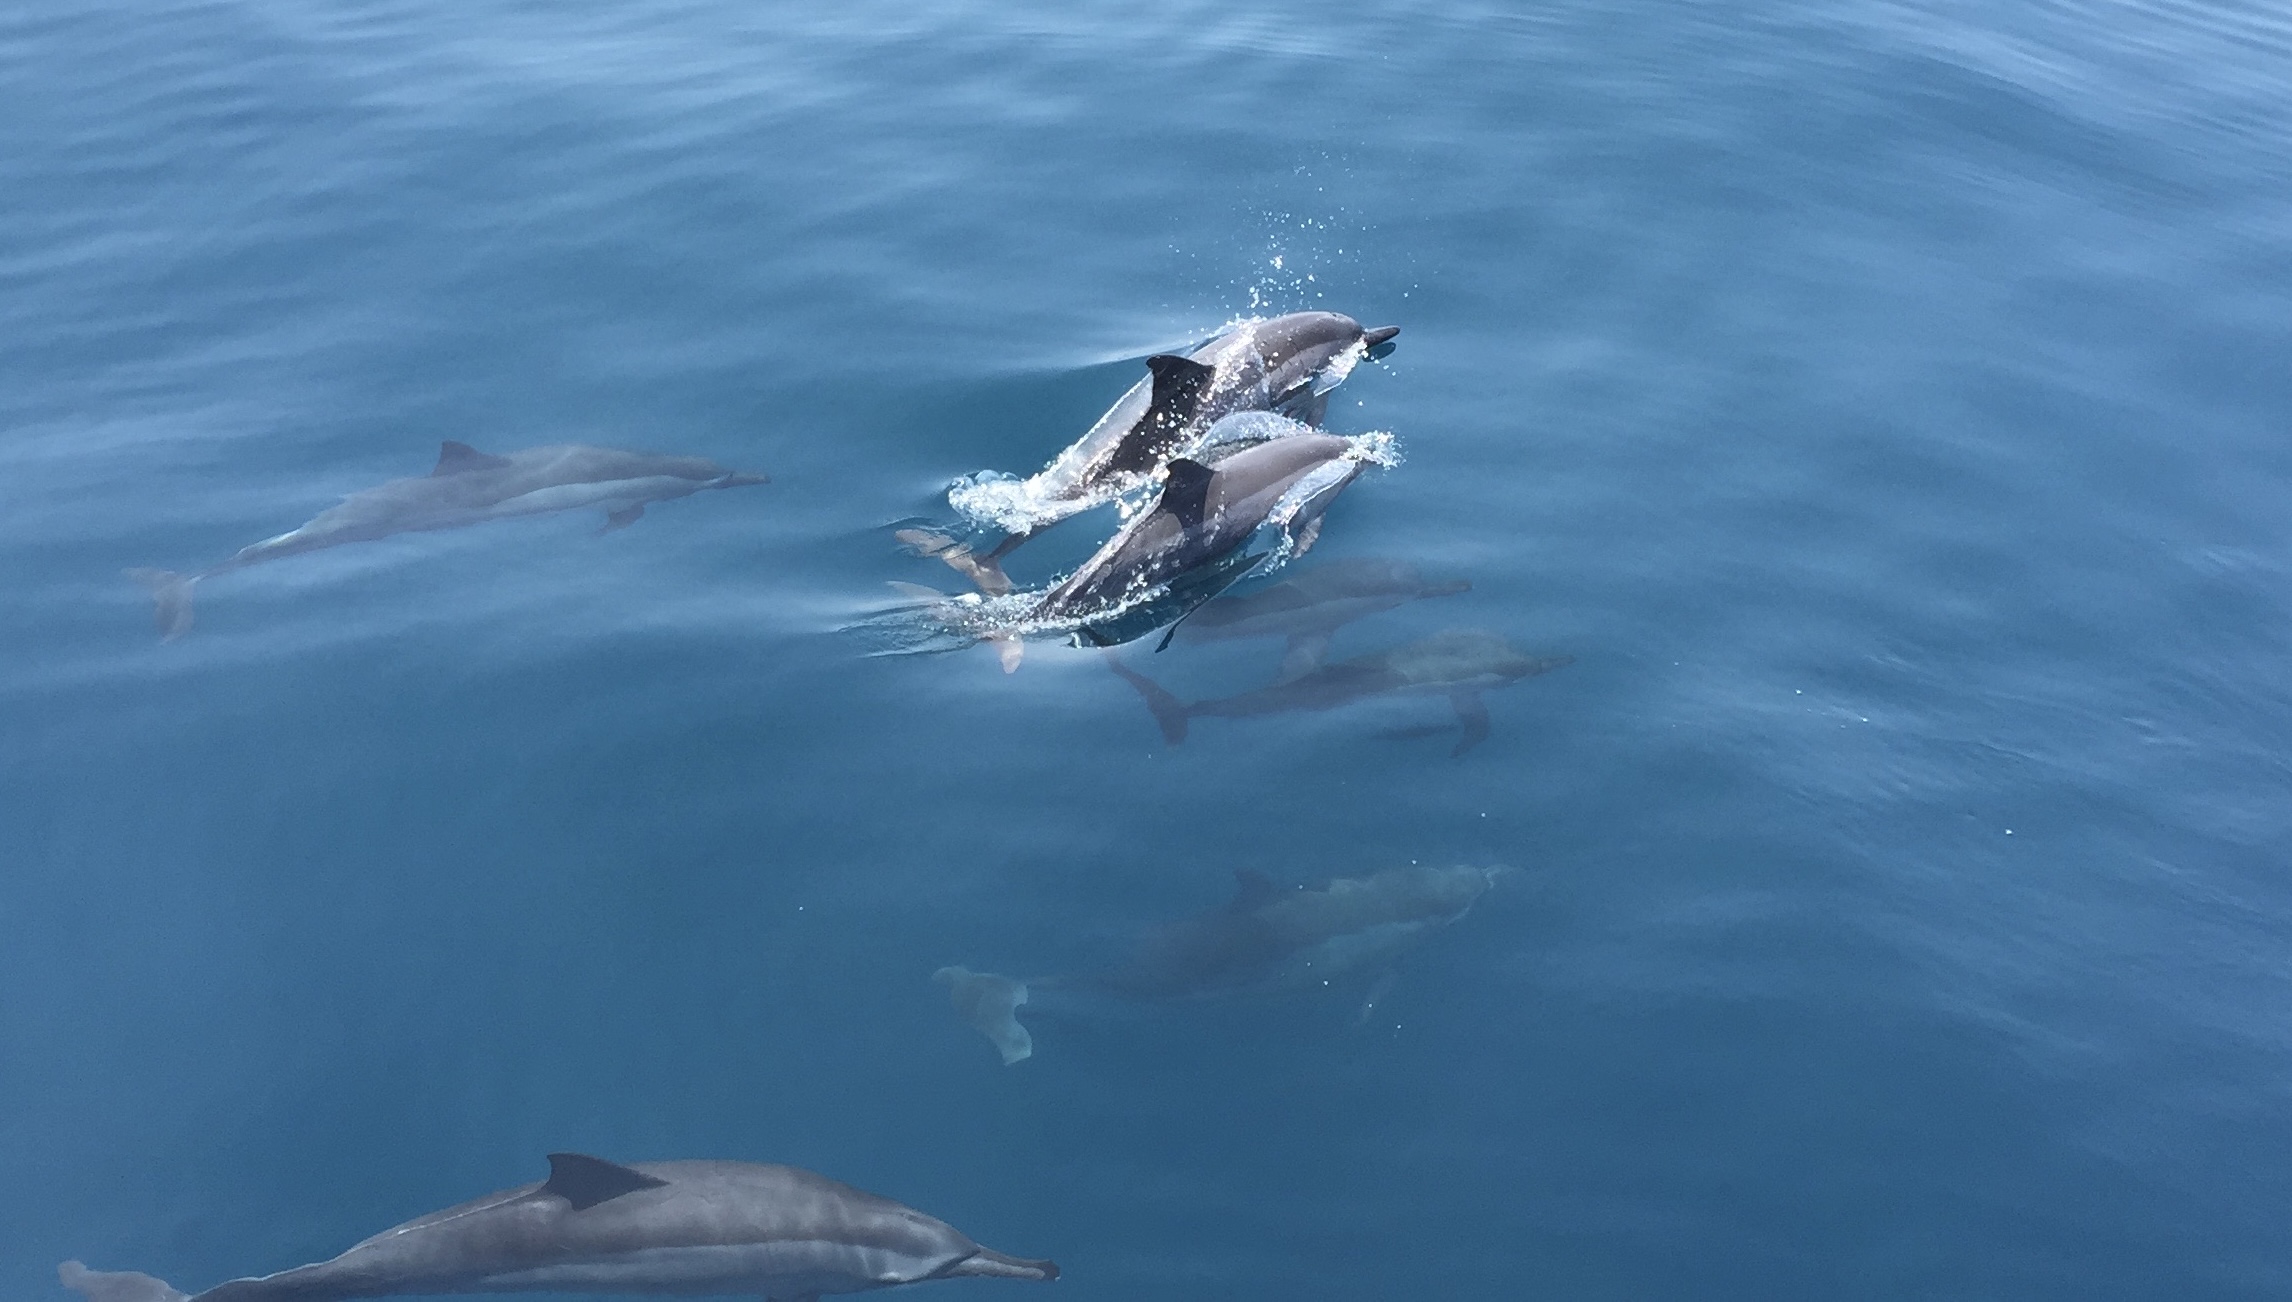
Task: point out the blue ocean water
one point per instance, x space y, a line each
1884 401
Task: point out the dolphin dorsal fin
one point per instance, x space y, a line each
460 458
1179 383
586 1181
1253 890
1186 493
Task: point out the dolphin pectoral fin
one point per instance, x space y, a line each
622 518
1472 711
1010 651
1169 712
170 600
1302 541
1303 655
585 1181
116 1285
460 458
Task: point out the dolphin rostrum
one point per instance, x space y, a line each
1285 364
1461 663
468 487
689 1228
1265 940
1308 608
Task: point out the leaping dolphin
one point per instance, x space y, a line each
1285 364
468 487
649 1228
1265 940
1461 662
1308 608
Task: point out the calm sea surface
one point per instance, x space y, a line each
1886 404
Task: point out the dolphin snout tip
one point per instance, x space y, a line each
1378 336
743 478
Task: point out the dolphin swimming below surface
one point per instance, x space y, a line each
1462 663
468 487
1309 607
649 1228
1264 941
1285 364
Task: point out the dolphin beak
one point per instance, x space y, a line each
741 479
1379 341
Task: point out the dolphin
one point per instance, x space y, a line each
1285 364
1308 608
468 487
1460 662
1264 941
650 1228
1204 516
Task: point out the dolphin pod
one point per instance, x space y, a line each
648 1229
1286 364
1264 940
467 487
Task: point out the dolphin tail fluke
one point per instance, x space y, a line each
989 1004
1170 712
985 572
116 1285
171 600
999 1265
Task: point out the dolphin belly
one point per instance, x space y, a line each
785 1269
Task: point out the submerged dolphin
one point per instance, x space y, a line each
1308 608
1286 364
649 1228
1265 940
468 487
1461 662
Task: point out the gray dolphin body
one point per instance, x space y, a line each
1284 364
1308 608
1265 940
468 487
1205 515
680 1228
1462 663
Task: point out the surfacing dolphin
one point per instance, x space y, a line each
1285 364
468 487
1309 607
1263 941
649 1228
1204 517
1461 663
